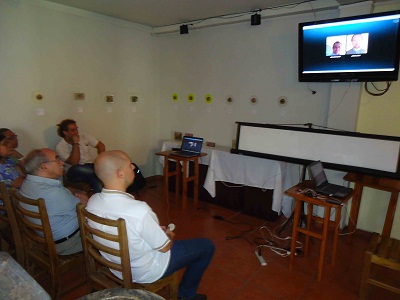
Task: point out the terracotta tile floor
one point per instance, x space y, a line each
235 273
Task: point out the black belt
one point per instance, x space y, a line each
66 238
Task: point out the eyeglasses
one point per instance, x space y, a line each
58 160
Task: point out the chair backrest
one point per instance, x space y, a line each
96 265
3 209
7 215
35 228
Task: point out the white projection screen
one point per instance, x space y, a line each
340 150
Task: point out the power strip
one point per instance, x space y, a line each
261 259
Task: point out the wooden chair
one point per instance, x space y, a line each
40 249
98 267
385 252
9 231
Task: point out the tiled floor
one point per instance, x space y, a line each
236 274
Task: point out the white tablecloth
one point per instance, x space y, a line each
252 171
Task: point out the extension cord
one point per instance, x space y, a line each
261 259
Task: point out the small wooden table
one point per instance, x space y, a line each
169 155
380 183
301 198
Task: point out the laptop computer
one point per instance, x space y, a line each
191 146
322 186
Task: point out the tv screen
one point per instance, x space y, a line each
360 48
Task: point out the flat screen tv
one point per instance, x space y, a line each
360 48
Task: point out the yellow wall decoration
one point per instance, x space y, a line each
208 98
190 98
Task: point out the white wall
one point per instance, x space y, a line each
59 51
241 61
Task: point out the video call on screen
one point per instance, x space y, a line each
351 46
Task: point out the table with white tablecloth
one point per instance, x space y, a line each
245 170
252 171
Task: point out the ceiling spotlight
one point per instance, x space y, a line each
184 29
255 19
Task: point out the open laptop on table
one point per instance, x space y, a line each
191 146
322 186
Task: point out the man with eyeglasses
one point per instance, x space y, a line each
45 169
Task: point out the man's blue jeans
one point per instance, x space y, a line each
194 255
85 173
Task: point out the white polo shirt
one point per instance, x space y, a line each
86 142
145 237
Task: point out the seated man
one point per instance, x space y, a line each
74 150
44 169
152 251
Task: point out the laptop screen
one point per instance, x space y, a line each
317 173
192 144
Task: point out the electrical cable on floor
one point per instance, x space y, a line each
350 220
273 246
239 236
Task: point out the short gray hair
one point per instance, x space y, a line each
34 160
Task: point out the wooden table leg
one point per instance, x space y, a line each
387 228
355 208
296 219
323 241
310 208
185 176
338 213
166 177
177 179
196 183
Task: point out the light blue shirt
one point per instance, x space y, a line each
60 203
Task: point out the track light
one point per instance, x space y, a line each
184 29
255 19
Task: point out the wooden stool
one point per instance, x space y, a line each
301 198
169 155
383 251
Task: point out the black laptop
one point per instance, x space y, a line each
322 186
191 146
